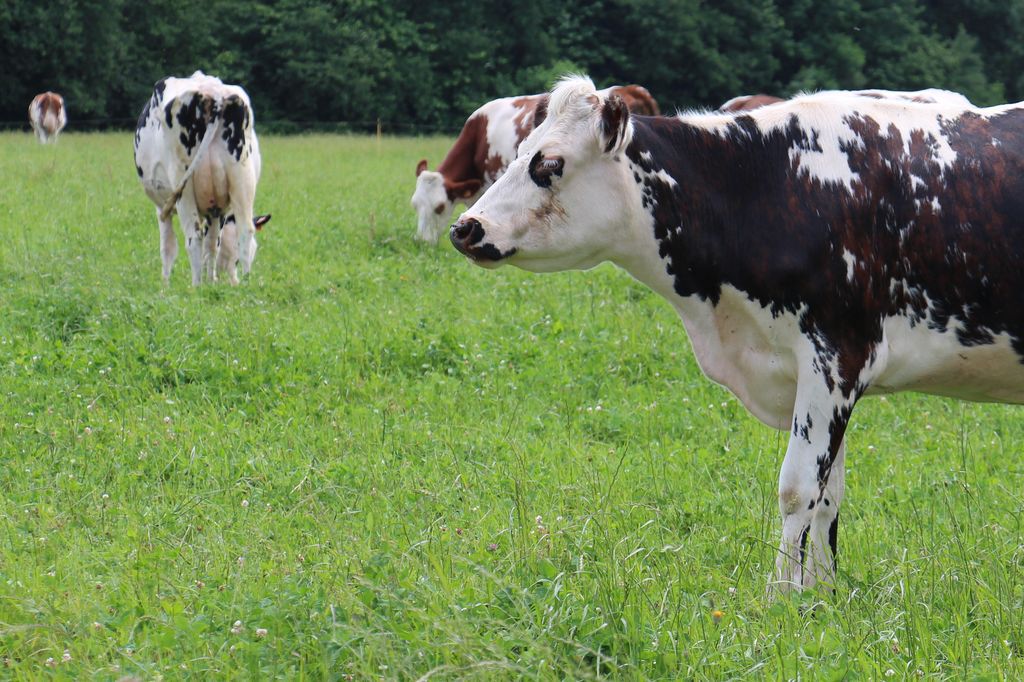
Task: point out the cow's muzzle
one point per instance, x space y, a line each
467 237
465 234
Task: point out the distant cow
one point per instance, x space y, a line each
928 96
47 116
196 154
818 250
748 102
484 148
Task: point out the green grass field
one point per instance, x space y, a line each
373 460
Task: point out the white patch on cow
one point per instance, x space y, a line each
851 263
666 178
502 139
817 114
923 359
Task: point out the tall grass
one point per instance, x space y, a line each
372 460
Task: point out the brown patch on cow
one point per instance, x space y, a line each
421 166
48 103
637 99
470 159
549 210
462 190
749 102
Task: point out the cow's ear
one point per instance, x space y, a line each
421 166
614 123
260 220
464 189
541 112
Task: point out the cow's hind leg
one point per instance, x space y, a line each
211 245
168 245
192 226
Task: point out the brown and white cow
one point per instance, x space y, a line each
197 155
47 116
483 150
749 102
818 250
928 96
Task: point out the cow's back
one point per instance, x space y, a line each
886 220
171 128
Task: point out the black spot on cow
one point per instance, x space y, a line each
153 102
803 545
192 119
491 252
833 537
138 169
235 116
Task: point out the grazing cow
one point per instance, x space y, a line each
47 116
196 154
748 102
482 151
818 250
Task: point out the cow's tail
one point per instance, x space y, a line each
212 131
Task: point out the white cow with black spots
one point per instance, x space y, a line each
197 155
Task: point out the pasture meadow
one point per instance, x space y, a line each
375 461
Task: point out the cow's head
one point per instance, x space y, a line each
561 204
232 251
434 200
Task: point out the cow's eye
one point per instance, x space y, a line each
544 168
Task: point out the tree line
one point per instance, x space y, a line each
424 66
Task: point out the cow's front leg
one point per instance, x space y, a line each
811 487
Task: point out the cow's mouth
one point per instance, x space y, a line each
467 238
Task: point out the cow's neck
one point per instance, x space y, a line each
688 242
694 188
463 161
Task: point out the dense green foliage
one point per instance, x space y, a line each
420 66
386 463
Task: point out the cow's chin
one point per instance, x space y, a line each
540 263
487 255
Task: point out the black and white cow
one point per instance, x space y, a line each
196 154
818 250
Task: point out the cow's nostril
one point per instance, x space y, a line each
462 229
